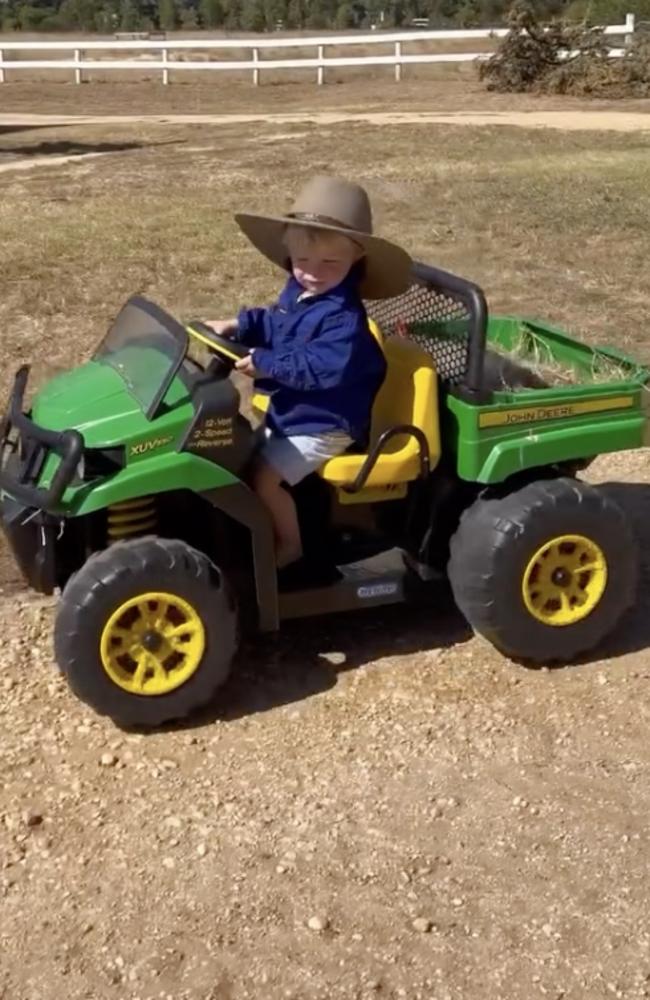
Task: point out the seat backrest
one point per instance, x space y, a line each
408 395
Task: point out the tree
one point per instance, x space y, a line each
469 14
445 11
130 16
344 17
295 14
614 11
168 15
258 15
81 14
274 11
316 15
47 6
148 10
29 17
211 13
107 18
233 15
252 15
189 19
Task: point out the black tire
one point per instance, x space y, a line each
497 539
118 574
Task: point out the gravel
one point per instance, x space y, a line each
431 821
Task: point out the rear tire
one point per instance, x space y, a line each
546 572
146 631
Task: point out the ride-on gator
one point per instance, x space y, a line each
124 486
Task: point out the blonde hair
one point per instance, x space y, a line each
300 237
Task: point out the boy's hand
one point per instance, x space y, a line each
247 366
224 327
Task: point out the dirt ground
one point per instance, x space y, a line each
378 805
230 96
573 121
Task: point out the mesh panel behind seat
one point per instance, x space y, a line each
438 323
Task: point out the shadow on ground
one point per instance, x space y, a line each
65 148
10 129
633 633
293 666
306 658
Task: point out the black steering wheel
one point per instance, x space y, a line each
229 352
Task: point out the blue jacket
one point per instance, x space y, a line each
317 358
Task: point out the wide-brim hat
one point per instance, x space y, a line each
337 206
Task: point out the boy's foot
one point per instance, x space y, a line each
305 575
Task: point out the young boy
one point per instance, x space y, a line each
313 350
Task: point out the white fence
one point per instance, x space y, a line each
166 48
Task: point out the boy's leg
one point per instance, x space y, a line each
279 502
290 459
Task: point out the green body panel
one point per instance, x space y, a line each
493 458
157 474
547 426
488 443
94 400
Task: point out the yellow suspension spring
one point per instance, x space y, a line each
131 518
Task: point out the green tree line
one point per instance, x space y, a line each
108 16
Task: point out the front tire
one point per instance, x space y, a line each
146 631
546 572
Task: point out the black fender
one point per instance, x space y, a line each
241 504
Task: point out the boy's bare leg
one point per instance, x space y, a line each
267 485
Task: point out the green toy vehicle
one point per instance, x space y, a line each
124 485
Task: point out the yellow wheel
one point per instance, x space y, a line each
146 631
152 643
544 572
565 580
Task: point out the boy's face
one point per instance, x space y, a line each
320 261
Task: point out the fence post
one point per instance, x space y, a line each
629 28
2 72
77 72
165 72
398 64
321 68
256 72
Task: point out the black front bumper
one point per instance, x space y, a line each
31 535
34 444
28 512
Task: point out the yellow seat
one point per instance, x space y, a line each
409 395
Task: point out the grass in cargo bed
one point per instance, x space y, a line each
530 351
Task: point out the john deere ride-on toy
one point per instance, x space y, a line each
124 485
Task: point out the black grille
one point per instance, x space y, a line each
437 321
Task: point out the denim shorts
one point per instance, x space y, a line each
298 455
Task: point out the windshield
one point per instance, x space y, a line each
146 347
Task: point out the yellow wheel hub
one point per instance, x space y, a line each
152 644
565 580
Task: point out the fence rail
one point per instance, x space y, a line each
398 58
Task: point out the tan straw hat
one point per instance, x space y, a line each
337 206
